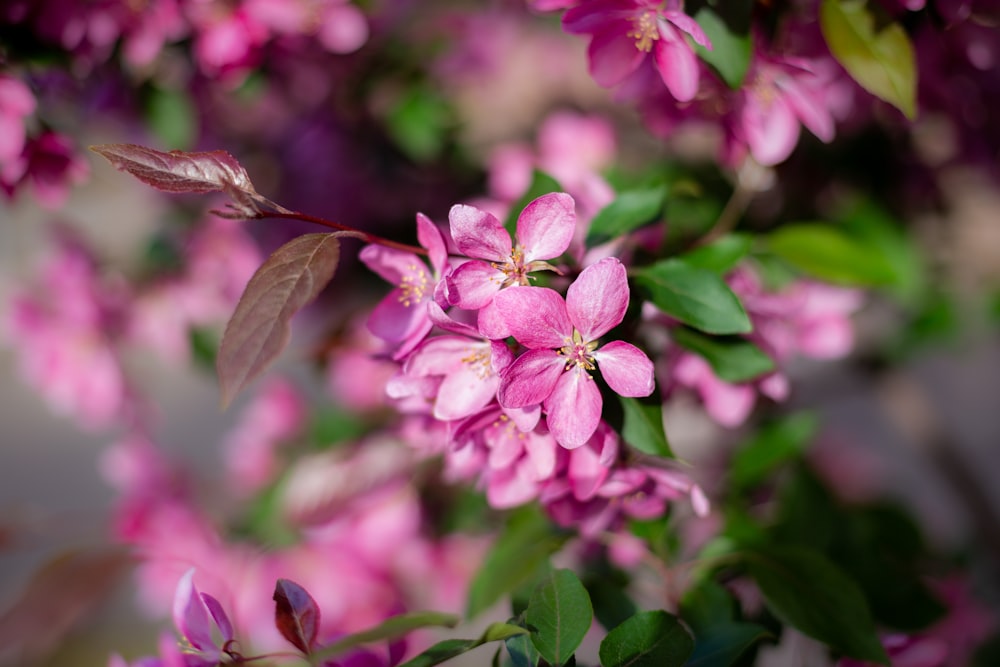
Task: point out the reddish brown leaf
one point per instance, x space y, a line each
180 171
296 614
61 594
259 329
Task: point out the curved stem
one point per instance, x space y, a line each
364 236
748 181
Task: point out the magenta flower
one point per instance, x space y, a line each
561 337
194 615
544 230
624 32
401 318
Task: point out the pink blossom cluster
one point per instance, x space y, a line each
804 318
645 49
228 38
76 322
524 418
44 161
358 546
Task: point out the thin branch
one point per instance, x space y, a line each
357 233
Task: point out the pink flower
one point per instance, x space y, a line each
624 32
544 230
195 614
402 318
16 102
561 337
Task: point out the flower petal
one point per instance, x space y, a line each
677 65
430 237
574 408
473 284
545 227
464 393
626 369
688 25
530 379
535 316
479 234
598 298
613 55
220 617
190 615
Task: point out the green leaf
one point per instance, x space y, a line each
695 296
827 253
648 639
541 184
722 255
522 651
520 551
880 59
719 641
809 592
732 358
774 444
643 425
451 648
559 615
391 628
419 123
172 117
629 210
731 50
442 652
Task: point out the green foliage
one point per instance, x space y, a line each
719 640
559 614
807 591
331 425
722 255
648 639
731 49
695 296
452 648
420 122
776 443
519 553
642 427
828 253
630 209
879 57
172 117
392 628
732 358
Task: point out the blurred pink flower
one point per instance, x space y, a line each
16 103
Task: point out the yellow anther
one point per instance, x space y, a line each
645 32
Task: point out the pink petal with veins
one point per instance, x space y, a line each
479 234
626 369
545 227
535 316
473 284
530 379
574 408
598 298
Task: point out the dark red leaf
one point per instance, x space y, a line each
259 329
180 171
296 615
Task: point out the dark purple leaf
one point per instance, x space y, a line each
259 329
296 615
180 171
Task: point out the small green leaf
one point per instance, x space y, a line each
774 444
722 255
719 641
442 652
559 615
827 253
541 184
643 425
498 632
520 551
629 210
732 358
522 652
880 59
648 639
695 296
419 123
809 592
172 117
731 50
391 628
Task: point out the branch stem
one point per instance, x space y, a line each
357 233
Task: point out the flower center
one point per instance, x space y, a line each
644 32
479 360
578 353
514 270
413 286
